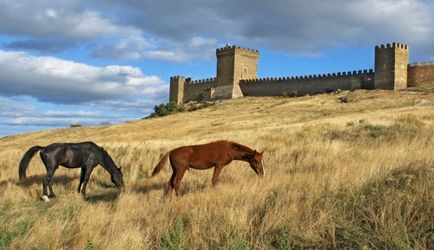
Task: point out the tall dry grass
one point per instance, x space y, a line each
339 175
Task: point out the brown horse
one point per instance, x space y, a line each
215 154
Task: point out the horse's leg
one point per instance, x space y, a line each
86 179
179 174
49 166
171 184
50 181
83 170
215 177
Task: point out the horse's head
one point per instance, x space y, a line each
115 172
257 163
117 178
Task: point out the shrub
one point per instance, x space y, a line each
172 107
166 109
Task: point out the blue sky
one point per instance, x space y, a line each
103 61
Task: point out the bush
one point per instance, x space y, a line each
75 125
166 109
172 107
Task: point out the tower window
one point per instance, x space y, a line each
245 72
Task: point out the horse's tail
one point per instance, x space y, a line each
161 164
24 163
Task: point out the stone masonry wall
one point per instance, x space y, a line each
233 64
421 74
308 84
176 93
246 67
401 66
237 76
199 90
391 62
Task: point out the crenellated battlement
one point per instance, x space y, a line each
177 77
392 46
314 76
204 81
237 69
234 48
421 64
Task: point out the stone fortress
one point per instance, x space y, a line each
237 69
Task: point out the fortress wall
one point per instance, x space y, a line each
199 90
312 84
421 74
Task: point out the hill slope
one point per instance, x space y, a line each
339 174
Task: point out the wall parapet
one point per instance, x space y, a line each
421 64
177 77
393 45
204 81
315 76
229 48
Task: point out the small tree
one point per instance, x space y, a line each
172 108
167 109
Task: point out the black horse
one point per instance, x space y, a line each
84 155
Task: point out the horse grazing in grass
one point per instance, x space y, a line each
84 155
215 154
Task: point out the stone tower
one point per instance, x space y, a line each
233 64
177 85
391 64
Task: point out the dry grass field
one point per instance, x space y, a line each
354 174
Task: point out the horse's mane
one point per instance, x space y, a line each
240 147
108 159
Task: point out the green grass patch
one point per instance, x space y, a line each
405 128
7 235
175 239
239 243
393 212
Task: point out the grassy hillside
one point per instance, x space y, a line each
342 170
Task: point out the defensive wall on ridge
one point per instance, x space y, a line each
421 74
199 90
311 84
237 69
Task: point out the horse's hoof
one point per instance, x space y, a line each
45 198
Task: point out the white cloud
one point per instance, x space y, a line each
82 113
186 30
137 48
50 121
33 89
45 18
293 26
18 115
11 108
61 81
168 31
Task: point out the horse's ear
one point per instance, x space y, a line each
261 153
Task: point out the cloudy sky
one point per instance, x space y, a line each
104 61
